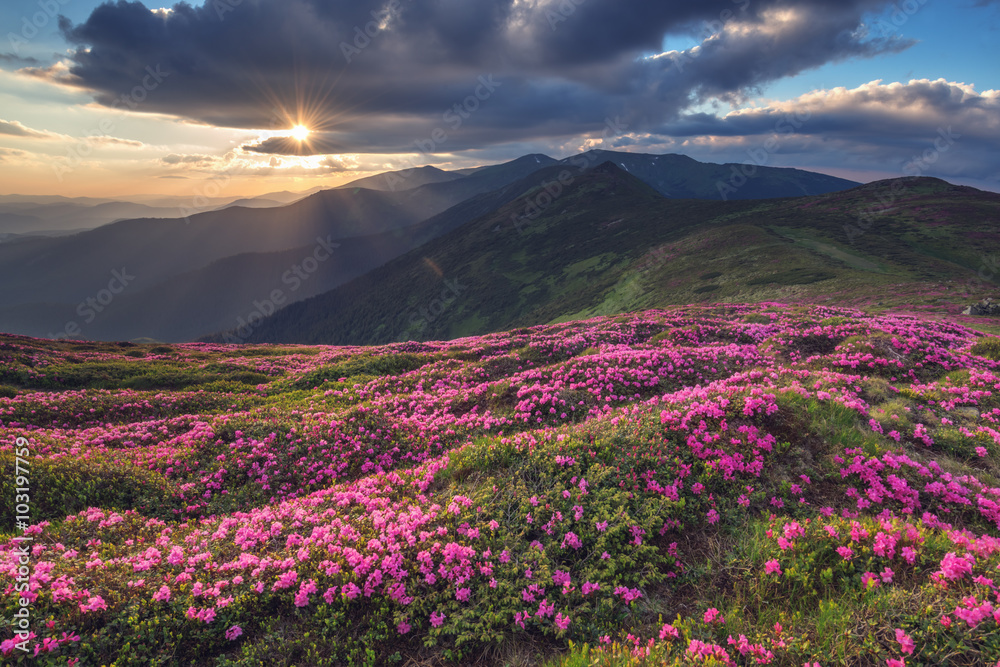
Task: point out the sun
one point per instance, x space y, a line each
300 132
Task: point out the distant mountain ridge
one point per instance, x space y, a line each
404 179
30 215
682 177
198 275
176 250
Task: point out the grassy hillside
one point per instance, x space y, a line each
717 484
605 243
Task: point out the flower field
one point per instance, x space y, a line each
717 485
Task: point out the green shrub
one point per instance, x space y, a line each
59 487
988 347
376 365
225 387
268 351
794 277
240 377
706 288
663 335
7 391
146 375
710 275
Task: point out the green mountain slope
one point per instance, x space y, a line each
605 242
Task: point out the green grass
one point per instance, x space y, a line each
365 365
988 347
60 487
147 375
794 277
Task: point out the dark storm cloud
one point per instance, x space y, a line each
875 125
316 145
563 67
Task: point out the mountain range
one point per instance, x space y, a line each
53 215
531 240
609 243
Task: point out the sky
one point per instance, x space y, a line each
244 97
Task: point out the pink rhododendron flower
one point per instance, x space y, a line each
572 541
705 651
906 644
285 580
350 590
792 530
94 603
712 617
956 567
545 609
974 612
